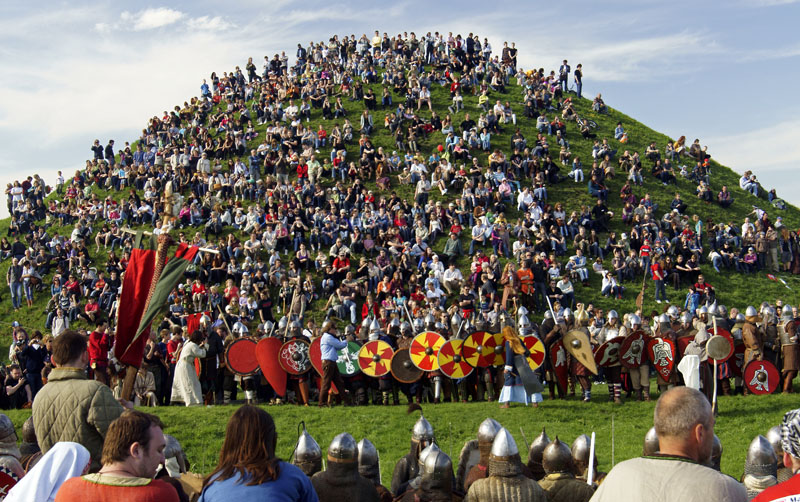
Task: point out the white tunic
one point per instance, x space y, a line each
185 385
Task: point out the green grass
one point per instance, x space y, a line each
201 430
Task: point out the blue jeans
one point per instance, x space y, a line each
661 291
16 294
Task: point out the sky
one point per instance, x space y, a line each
78 71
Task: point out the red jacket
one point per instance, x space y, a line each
98 348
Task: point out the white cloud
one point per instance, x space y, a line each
152 18
216 23
768 3
764 149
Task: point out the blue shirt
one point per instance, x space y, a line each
291 486
329 345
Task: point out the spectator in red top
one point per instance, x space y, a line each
302 170
99 345
644 255
91 312
705 289
657 269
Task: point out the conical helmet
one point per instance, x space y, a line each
663 319
418 324
786 313
750 311
343 448
523 322
686 317
774 438
504 445
650 442
635 320
557 457
282 323
612 314
307 454
568 313
28 431
427 451
761 459
365 325
673 311
702 310
394 326
522 311
369 461
295 328
537 448
488 430
422 431
374 327
580 449
430 322
437 472
405 329
504 457
455 322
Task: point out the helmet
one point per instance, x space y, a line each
612 314
296 328
650 442
437 472
548 314
430 322
504 445
394 326
422 431
522 310
663 319
580 449
774 438
712 309
269 326
740 317
716 453
568 312
423 455
702 310
523 322
488 430
761 459
307 454
537 448
750 311
673 311
28 432
635 320
686 317
205 320
418 325
557 457
343 448
769 314
722 311
282 323
440 327
350 330
374 327
405 329
455 321
480 324
786 313
365 325
368 461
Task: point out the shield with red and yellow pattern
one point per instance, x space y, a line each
424 350
536 351
375 358
451 359
483 349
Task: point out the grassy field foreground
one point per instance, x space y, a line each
201 430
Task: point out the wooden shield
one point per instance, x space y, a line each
403 370
240 357
608 353
684 342
738 360
375 358
632 350
294 358
536 348
348 359
266 352
558 361
719 348
482 349
451 360
661 352
761 377
424 350
576 342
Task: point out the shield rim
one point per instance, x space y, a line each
771 370
434 357
531 362
378 343
391 367
308 350
492 358
228 360
451 343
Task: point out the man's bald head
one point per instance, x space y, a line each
678 410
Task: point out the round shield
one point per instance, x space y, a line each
7 480
738 360
451 359
632 350
684 342
481 349
761 377
348 359
293 357
558 361
662 354
424 350
536 349
720 347
240 357
375 358
608 353
403 370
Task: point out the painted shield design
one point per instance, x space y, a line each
7 480
375 358
294 358
483 349
403 370
424 350
661 352
738 360
608 353
558 360
632 350
451 359
576 342
536 349
348 359
266 352
761 377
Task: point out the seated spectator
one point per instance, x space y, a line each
724 197
749 183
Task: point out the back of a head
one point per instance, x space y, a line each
131 427
68 347
249 444
678 410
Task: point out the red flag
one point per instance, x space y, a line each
193 322
135 286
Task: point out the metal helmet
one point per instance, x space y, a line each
740 317
580 449
374 327
548 315
369 461
282 323
635 320
522 310
437 472
205 320
307 454
28 431
612 314
716 453
430 322
750 311
488 430
343 448
786 313
663 319
761 459
418 324
269 327
712 309
769 314
7 432
394 326
422 431
537 447
523 322
423 455
686 317
365 325
405 329
557 457
673 311
440 327
373 336
650 442
481 324
455 322
722 311
702 310
504 445
295 328
774 438
349 330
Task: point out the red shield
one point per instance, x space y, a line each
375 358
761 377
451 360
661 352
424 350
683 342
536 351
738 360
293 357
7 481
240 357
608 353
632 350
267 354
483 349
558 361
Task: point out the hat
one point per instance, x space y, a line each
15 324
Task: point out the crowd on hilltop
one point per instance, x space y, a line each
324 213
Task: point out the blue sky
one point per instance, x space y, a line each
718 71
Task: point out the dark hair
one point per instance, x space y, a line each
248 448
197 336
131 427
68 346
